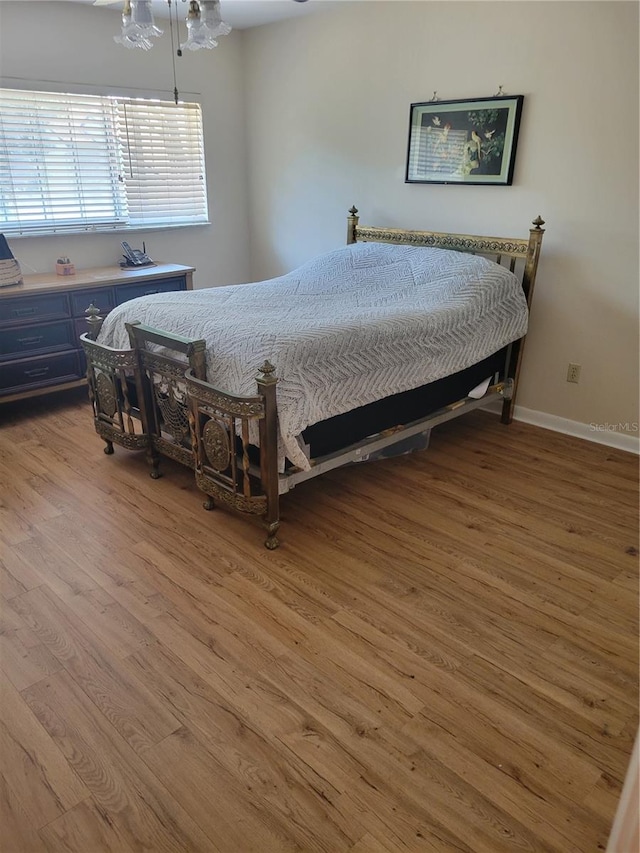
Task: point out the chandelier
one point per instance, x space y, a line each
204 25
139 30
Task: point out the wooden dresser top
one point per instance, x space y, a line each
95 277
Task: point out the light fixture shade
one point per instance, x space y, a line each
204 23
196 37
142 18
138 26
211 18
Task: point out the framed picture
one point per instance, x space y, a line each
464 142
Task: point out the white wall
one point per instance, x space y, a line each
327 113
71 46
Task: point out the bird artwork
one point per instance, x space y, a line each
489 133
436 121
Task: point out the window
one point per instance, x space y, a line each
72 163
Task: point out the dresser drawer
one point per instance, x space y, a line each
28 373
30 340
126 292
102 299
42 319
27 309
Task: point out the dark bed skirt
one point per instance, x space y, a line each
341 431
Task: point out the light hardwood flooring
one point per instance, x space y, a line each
442 655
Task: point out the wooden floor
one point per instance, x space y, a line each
441 656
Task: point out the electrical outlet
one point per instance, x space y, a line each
573 373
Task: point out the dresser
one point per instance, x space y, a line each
41 322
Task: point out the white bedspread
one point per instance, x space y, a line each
348 328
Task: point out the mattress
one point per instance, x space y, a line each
348 328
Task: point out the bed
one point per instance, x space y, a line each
359 353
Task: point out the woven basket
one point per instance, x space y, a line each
10 273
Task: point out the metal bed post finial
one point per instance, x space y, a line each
531 263
94 321
268 370
352 224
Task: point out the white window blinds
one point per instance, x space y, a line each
163 171
59 163
93 163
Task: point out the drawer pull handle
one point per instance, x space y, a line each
150 292
24 312
35 340
39 371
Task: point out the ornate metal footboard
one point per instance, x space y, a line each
223 429
139 395
111 379
158 401
162 390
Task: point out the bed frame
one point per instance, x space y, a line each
162 403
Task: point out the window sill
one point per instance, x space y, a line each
130 229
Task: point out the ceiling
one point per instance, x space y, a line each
241 14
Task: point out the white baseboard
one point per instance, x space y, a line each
609 434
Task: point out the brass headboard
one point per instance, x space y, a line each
498 247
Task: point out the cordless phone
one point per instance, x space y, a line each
135 257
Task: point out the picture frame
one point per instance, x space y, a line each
470 141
